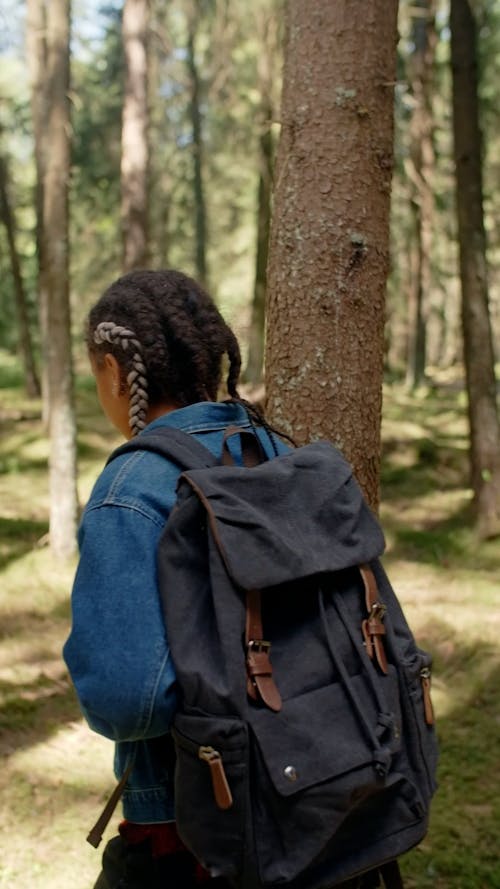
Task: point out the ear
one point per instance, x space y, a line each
115 374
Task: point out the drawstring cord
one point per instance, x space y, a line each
381 756
358 645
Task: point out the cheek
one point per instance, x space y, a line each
99 390
103 392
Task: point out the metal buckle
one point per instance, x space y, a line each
377 611
259 645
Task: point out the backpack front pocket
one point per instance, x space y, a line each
318 766
211 789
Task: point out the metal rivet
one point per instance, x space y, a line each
291 773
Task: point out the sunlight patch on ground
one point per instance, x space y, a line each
430 508
60 785
73 758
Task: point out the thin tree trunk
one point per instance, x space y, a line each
329 250
135 147
267 63
255 362
36 53
160 180
422 164
200 212
32 383
477 333
55 256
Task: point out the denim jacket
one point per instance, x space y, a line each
117 651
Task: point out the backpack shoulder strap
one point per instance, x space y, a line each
173 444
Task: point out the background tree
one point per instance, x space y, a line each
330 231
36 51
196 120
420 166
135 146
7 217
477 334
51 94
269 34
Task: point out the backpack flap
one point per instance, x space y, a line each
298 515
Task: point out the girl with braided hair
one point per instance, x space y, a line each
156 343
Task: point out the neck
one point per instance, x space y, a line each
159 410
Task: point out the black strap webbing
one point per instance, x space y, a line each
391 875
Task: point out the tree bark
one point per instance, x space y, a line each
135 147
477 334
31 381
55 273
329 249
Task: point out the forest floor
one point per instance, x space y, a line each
56 774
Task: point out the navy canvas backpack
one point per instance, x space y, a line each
305 743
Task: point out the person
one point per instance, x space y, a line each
156 344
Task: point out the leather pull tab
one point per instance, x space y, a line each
95 835
425 676
222 791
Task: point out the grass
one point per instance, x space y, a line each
56 774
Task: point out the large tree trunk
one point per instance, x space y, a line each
420 169
200 212
54 249
32 383
477 334
329 251
135 148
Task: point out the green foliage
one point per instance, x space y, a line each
97 74
229 54
15 148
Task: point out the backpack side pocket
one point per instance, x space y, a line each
418 713
211 789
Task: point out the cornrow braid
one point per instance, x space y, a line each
117 335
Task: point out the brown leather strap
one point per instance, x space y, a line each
95 835
251 449
372 627
253 627
260 682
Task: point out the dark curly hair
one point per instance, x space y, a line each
179 336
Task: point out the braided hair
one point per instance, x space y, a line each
168 338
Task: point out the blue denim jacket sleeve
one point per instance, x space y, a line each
117 652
